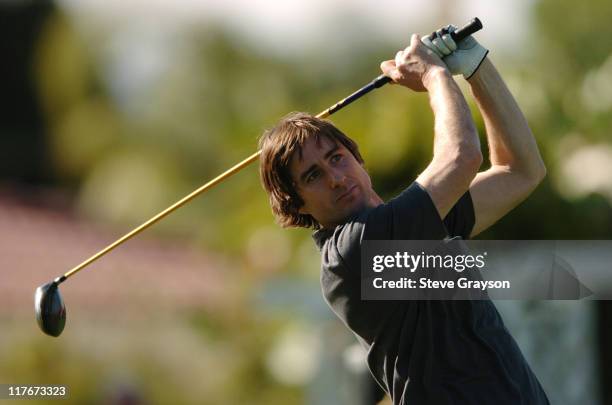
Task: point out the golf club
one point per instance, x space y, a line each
48 303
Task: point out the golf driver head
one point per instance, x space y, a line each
50 309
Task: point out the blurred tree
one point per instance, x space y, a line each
23 135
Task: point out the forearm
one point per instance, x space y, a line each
457 155
455 133
511 143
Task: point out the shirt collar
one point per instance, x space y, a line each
321 235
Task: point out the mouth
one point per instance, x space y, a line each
346 194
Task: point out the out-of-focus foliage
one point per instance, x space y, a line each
201 358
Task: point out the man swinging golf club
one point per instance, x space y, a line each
420 352
48 303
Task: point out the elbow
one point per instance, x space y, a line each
476 160
470 161
470 156
539 174
532 165
535 175
464 165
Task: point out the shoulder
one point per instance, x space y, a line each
343 237
409 215
414 200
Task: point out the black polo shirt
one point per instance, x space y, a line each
423 352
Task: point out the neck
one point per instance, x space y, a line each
375 200
372 202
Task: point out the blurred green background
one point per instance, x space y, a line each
111 112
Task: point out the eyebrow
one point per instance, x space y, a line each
314 165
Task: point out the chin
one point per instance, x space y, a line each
357 207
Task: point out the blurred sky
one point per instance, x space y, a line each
137 41
290 25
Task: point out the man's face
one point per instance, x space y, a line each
331 182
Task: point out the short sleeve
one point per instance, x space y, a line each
461 218
411 215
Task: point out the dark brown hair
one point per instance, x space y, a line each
277 146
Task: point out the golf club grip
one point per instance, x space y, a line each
468 29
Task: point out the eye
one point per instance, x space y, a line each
312 176
336 158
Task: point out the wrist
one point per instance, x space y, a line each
475 65
434 76
480 75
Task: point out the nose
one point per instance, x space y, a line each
337 178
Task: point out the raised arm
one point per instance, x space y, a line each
516 165
457 155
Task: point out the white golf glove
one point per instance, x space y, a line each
461 58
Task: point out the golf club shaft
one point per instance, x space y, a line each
235 169
380 81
